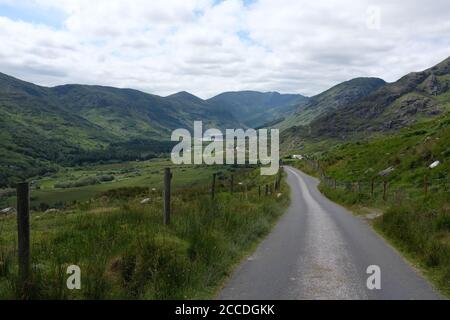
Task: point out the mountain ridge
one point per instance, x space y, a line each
332 99
422 94
44 127
47 127
414 98
256 108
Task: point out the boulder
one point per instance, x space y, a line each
386 172
51 210
7 211
434 164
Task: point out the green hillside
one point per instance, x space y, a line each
256 109
409 152
42 128
332 100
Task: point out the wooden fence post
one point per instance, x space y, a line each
279 179
245 192
372 187
425 185
259 191
213 186
167 180
231 183
267 189
384 190
23 228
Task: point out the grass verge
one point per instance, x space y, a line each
125 252
419 229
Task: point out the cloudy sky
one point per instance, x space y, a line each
210 46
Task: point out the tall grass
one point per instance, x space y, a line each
422 229
125 252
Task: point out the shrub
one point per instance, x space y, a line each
80 183
106 178
125 192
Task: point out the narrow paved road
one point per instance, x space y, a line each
319 250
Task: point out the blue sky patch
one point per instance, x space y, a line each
37 15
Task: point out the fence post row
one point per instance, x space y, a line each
23 228
167 180
356 186
231 183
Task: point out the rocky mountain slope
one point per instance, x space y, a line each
415 97
332 100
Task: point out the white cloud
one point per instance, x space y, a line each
206 47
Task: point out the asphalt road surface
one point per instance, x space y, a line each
319 250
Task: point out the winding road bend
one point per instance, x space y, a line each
319 250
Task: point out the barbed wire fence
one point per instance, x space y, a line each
242 186
381 188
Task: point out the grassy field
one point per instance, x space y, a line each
122 246
128 174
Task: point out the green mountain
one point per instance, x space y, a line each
131 113
415 97
332 100
257 109
42 127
